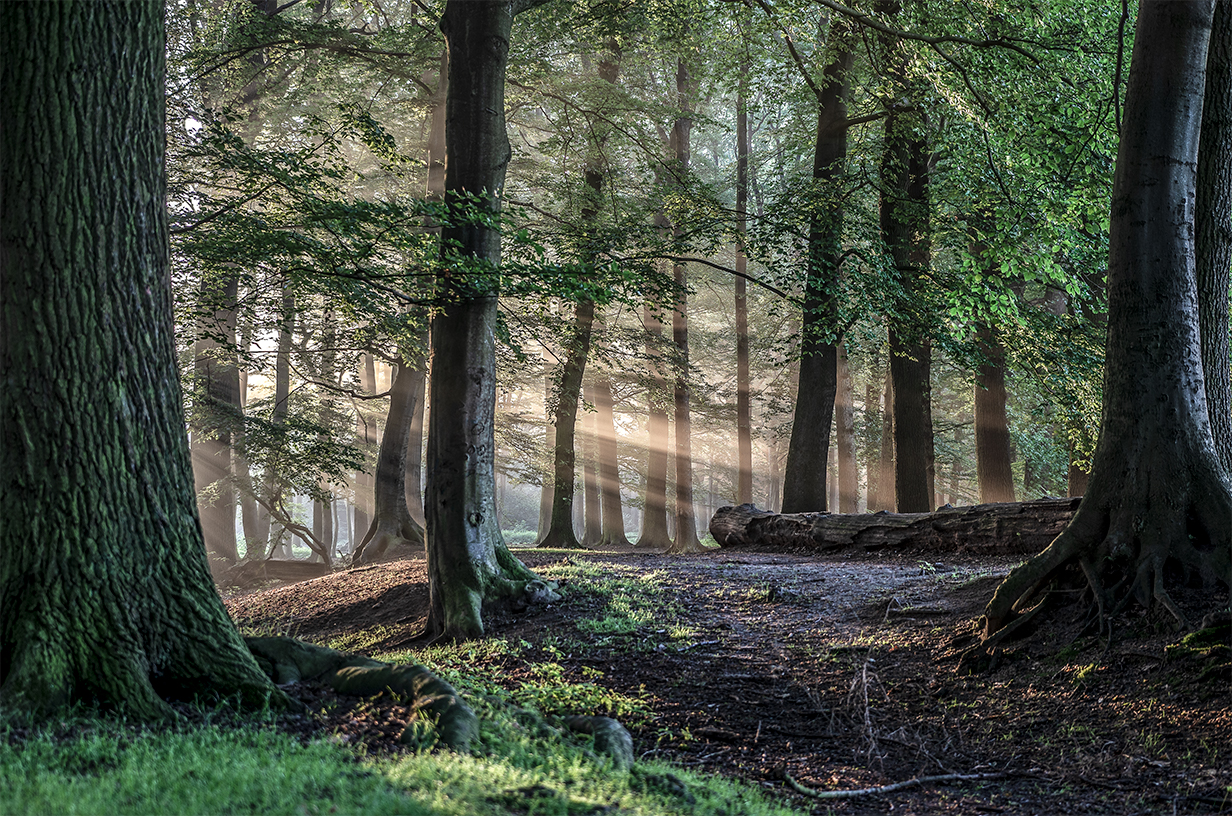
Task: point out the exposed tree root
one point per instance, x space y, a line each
384 533
1129 543
612 739
685 547
439 714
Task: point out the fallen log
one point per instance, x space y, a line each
1010 528
251 573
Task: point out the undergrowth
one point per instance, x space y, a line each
521 764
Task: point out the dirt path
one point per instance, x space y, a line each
836 672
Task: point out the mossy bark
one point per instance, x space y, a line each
438 713
105 593
1158 495
468 562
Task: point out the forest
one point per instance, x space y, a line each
578 406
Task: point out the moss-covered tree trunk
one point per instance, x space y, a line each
468 563
804 477
105 593
1158 496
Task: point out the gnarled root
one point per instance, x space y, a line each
1127 538
385 533
438 713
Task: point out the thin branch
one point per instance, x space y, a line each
791 46
750 278
853 793
877 25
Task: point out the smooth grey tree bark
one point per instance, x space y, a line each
468 563
1213 223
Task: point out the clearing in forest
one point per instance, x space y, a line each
820 673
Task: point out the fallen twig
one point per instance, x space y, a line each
852 793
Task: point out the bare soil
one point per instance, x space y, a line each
838 672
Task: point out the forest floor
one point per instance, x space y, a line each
833 672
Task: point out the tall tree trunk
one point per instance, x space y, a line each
685 539
872 433
804 479
608 463
888 498
904 227
391 520
435 192
414 448
775 492
992 432
216 410
1213 222
254 545
548 489
367 434
654 516
845 437
105 590
271 490
744 420
1158 493
955 466
593 526
560 531
468 563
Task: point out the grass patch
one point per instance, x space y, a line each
626 602
521 765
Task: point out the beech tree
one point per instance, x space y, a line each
105 593
1158 495
468 562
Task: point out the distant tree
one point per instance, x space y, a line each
105 593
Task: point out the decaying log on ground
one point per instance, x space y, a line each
251 573
989 529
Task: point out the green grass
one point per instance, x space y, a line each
521 765
522 762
